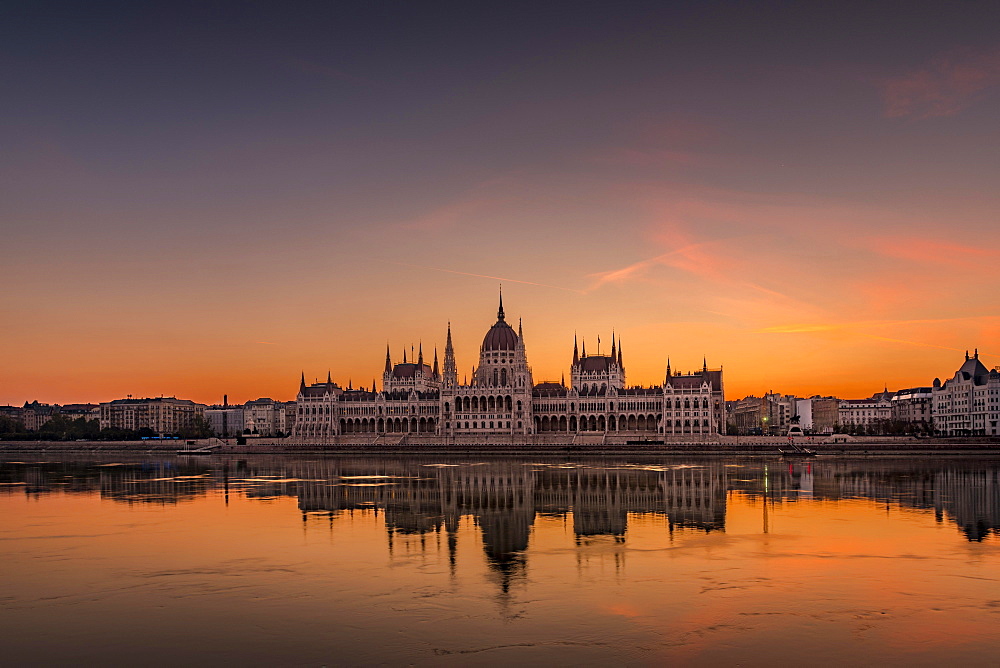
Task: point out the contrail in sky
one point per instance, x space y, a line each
495 278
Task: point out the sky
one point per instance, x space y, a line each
208 198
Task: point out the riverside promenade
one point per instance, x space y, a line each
502 446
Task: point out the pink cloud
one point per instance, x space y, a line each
946 86
934 251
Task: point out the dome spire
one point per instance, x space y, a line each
500 315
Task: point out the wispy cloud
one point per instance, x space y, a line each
946 86
493 278
933 251
859 324
858 328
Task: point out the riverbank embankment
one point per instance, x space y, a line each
427 445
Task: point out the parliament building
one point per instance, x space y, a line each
501 398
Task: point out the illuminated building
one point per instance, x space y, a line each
500 398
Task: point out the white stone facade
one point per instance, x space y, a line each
968 403
502 398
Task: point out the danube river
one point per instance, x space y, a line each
437 561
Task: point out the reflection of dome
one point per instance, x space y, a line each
500 337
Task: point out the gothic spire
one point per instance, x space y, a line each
302 383
704 363
436 371
620 353
329 379
420 360
585 347
404 354
500 315
576 351
612 345
450 367
388 360
668 367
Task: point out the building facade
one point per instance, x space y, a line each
968 403
873 412
225 420
501 398
913 407
264 417
162 415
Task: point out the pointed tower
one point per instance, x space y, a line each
329 378
613 354
302 383
704 364
500 315
437 371
450 368
420 359
388 360
576 351
620 364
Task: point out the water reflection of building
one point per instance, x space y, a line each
503 499
164 482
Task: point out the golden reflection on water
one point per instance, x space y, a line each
312 561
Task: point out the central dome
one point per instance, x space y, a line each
500 337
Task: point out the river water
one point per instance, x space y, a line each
316 561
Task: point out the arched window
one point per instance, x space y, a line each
503 377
